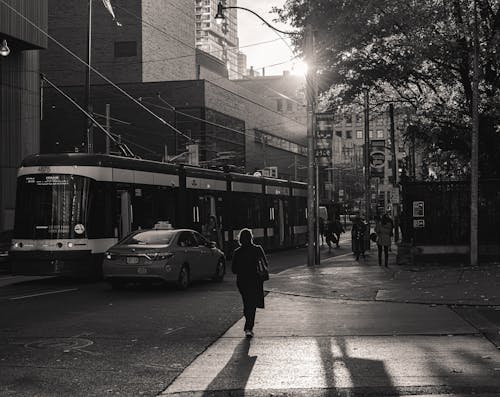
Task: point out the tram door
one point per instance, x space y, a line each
207 217
277 217
125 214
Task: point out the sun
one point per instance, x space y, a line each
299 68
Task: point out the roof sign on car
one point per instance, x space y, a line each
163 225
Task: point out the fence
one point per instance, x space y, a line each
438 213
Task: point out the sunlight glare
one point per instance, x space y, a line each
299 68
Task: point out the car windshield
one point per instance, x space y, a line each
149 237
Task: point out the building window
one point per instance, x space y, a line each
279 104
289 105
372 135
380 133
380 120
125 49
359 134
348 119
348 134
338 133
359 118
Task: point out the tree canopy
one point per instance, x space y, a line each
417 54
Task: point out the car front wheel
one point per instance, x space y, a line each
183 279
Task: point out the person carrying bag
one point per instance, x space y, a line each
251 268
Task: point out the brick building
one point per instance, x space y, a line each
19 94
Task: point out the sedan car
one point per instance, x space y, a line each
163 254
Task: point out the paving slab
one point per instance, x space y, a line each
308 345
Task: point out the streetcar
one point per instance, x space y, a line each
71 207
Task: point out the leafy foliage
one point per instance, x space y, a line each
417 54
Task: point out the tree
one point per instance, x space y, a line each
417 54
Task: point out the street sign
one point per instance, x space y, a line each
377 158
323 152
418 209
324 125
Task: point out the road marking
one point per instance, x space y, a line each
43 293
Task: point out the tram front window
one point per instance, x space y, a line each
51 206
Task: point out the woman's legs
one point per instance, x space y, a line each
379 254
386 255
249 312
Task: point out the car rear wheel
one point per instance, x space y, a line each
183 279
220 271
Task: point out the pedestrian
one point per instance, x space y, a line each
338 229
322 229
358 237
211 231
245 265
329 236
384 229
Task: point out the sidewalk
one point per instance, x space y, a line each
352 328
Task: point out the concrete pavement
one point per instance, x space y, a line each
348 328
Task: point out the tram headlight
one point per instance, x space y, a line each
70 245
18 245
108 255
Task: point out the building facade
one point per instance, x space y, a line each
218 40
155 42
19 94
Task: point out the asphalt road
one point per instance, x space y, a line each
60 337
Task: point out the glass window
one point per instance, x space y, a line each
186 239
279 105
359 118
359 134
149 237
348 134
348 119
51 205
380 133
338 133
289 105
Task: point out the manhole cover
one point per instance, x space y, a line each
64 344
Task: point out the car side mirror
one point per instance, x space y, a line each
212 244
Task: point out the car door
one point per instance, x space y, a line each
188 247
208 257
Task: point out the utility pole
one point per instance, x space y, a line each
311 98
395 206
474 198
88 121
367 159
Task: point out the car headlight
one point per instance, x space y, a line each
109 255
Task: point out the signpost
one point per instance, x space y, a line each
377 158
323 134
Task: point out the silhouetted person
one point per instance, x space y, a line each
358 236
245 263
384 228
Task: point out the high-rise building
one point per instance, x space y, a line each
242 65
219 40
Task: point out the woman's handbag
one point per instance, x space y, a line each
262 271
373 237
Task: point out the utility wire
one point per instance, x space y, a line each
96 71
125 150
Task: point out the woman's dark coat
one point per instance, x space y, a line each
245 260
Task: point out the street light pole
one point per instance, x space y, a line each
311 180
88 106
311 89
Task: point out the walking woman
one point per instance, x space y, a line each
383 228
251 286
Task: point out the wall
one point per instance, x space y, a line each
19 96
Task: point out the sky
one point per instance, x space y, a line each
251 31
